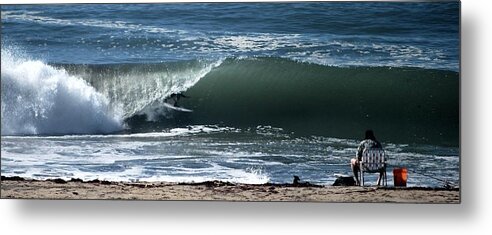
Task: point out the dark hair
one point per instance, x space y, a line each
370 135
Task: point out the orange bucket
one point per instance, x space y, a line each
400 177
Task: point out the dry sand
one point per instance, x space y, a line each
15 187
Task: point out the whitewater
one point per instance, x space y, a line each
38 99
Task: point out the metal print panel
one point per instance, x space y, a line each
295 101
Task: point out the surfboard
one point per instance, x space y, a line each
177 108
341 175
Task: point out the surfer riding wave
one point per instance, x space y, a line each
174 98
171 102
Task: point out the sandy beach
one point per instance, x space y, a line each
15 187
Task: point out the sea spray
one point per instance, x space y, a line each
40 99
140 89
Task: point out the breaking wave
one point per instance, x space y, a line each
39 99
406 105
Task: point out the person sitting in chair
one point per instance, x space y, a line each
369 142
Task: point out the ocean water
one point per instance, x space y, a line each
276 89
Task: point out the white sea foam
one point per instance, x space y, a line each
190 159
40 99
33 16
191 130
53 166
157 88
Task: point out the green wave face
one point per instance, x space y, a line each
402 105
406 105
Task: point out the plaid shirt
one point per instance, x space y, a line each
367 144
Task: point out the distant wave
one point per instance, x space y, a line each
33 16
174 42
39 99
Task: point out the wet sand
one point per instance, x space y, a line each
15 187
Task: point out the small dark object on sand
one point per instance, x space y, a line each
13 178
344 181
297 182
76 180
58 181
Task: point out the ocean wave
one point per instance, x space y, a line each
139 89
405 105
40 99
151 42
36 17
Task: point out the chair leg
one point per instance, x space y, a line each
385 178
362 177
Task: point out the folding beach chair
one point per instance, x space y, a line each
373 161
